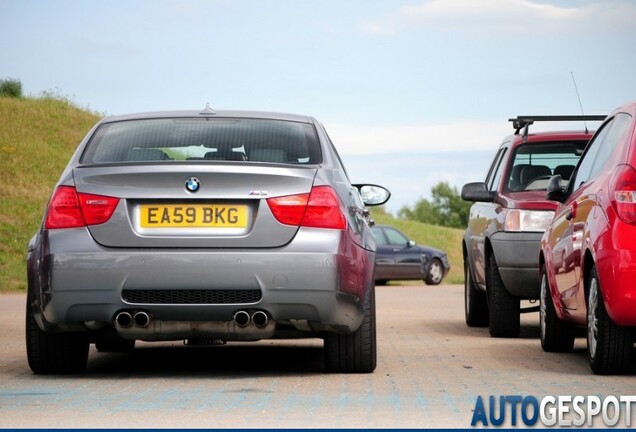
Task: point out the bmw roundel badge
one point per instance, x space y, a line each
193 184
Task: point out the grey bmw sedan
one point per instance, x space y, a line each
206 227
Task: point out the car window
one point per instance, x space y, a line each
596 153
379 236
395 237
613 137
494 174
534 163
204 139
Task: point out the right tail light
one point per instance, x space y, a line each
622 189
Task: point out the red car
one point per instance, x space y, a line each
588 253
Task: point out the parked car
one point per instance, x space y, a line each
588 252
205 227
399 258
509 215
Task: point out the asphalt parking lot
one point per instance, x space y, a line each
431 369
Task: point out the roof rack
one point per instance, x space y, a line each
524 121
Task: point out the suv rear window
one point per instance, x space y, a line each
534 163
204 139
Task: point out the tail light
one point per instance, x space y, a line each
622 191
70 209
320 208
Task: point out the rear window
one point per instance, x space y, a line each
533 164
204 139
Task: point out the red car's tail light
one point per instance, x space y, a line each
69 209
622 191
319 209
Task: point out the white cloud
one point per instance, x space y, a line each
453 136
509 16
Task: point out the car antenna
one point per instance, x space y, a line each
579 97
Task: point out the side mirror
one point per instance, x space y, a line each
554 191
477 191
373 195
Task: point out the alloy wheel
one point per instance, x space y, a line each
592 318
542 305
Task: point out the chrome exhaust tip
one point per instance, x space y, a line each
260 319
124 319
141 319
242 318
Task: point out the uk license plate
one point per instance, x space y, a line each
193 216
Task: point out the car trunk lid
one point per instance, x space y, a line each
193 205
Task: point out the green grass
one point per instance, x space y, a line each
37 137
447 239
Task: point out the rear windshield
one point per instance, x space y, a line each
534 164
204 139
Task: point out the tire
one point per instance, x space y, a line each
115 345
354 352
609 346
54 353
504 308
475 302
434 272
556 335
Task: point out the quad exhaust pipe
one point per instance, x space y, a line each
127 319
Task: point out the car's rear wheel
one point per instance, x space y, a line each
54 353
504 308
556 335
609 346
434 272
475 302
357 351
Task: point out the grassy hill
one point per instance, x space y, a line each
37 137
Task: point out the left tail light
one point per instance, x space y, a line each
320 208
622 191
70 209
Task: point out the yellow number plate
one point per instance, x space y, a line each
193 216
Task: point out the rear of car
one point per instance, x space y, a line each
587 251
508 217
207 227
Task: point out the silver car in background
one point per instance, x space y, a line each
206 227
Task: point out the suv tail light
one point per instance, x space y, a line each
622 191
70 209
318 209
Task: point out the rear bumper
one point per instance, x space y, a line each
517 256
318 282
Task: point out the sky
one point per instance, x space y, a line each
411 92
